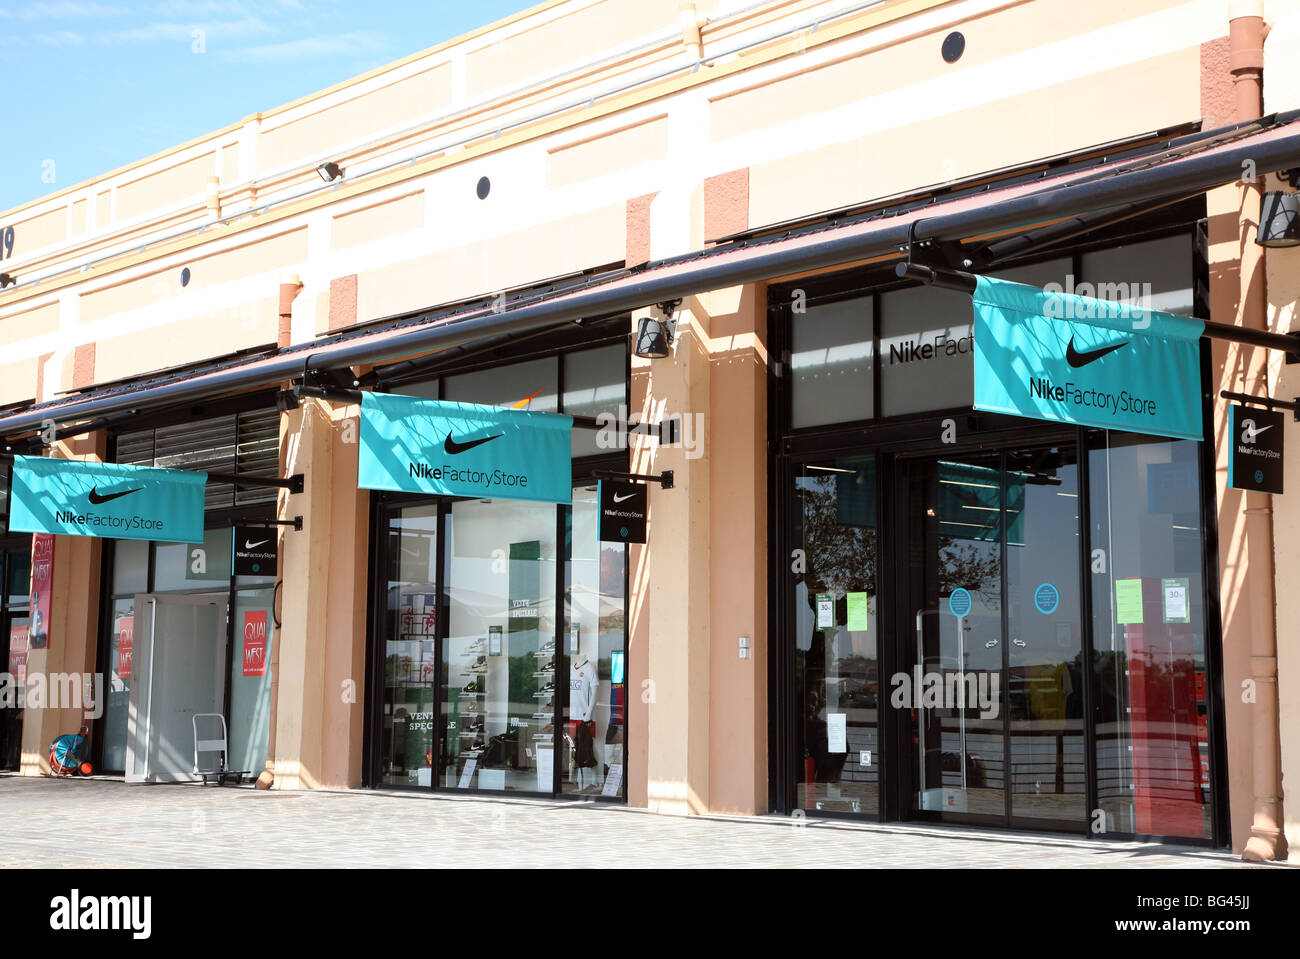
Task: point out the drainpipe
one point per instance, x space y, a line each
290 287
1246 34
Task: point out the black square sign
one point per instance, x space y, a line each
253 551
622 511
1256 461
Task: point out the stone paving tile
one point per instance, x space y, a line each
114 825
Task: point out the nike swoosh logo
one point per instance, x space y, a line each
619 499
95 496
261 542
1077 359
1257 430
453 448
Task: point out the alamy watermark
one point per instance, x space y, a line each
36 690
1129 302
948 690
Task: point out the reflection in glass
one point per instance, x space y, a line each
121 661
954 691
1044 687
837 679
499 657
594 646
1150 715
410 648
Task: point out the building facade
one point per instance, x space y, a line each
864 590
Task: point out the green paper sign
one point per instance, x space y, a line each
1128 601
858 617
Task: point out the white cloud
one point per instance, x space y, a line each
62 10
158 32
306 48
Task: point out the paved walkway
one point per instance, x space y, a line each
110 824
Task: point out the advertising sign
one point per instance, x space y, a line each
253 551
463 449
1256 460
125 628
1074 359
42 589
107 500
255 643
623 508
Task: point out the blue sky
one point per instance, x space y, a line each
90 86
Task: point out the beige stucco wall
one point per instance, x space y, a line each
1282 92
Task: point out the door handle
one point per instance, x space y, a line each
990 644
1019 642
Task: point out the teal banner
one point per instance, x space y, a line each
1073 359
107 500
462 449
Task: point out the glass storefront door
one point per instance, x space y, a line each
993 684
503 645
180 645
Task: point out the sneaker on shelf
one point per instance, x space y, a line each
548 648
475 686
550 706
474 647
548 688
548 729
547 668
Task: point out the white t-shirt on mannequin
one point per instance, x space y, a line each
582 690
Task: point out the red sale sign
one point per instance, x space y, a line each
255 643
125 641
42 586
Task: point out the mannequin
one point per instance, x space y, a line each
582 705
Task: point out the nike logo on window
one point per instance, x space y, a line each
261 542
1077 359
453 447
619 499
95 496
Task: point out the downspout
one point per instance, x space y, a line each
1246 32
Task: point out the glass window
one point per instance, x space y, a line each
194 566
499 659
130 566
1156 274
530 385
18 571
410 663
1037 274
595 381
830 363
837 658
250 679
596 617
1153 774
120 663
11 719
926 351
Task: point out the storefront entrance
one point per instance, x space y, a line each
993 689
179 661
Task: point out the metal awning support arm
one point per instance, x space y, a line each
664 479
1287 343
1265 401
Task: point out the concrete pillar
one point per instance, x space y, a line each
318 662
73 631
671 583
738 556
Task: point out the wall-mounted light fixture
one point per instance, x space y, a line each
7 279
1279 219
654 337
329 171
